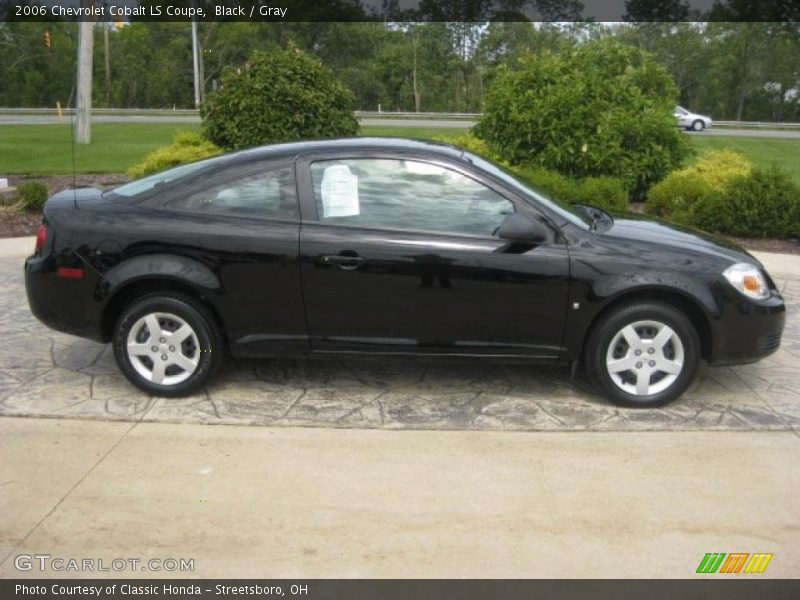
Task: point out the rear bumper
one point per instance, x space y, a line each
63 304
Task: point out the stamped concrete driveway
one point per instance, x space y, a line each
48 374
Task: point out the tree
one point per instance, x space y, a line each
683 49
739 58
601 108
32 74
151 66
276 97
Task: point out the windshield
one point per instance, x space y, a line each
568 212
139 186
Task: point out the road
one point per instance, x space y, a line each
752 133
53 119
368 122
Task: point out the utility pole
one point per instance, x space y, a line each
196 65
83 135
107 56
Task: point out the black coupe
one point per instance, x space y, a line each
389 247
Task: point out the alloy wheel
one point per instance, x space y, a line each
645 358
163 348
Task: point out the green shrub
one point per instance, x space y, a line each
553 184
600 109
678 195
473 144
185 147
32 195
723 192
278 96
604 192
762 203
718 167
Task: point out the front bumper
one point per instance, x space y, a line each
747 330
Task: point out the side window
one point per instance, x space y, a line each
267 194
405 194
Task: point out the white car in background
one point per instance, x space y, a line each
691 121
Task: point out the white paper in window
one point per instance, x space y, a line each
339 189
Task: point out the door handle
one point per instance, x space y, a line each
348 263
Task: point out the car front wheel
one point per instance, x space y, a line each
643 354
167 344
698 125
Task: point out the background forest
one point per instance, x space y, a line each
734 71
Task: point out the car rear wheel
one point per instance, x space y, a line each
698 125
167 344
643 354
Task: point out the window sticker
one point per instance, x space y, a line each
339 190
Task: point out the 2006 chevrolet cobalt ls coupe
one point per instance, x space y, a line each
389 247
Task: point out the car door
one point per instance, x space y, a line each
399 255
682 116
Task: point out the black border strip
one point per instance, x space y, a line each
713 588
475 11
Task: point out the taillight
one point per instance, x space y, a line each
41 237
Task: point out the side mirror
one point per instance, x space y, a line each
522 229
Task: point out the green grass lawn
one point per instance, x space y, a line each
46 149
763 152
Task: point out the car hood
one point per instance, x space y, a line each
628 226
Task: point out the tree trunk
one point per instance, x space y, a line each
417 98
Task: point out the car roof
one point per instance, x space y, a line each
350 143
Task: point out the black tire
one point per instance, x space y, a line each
607 330
698 125
208 351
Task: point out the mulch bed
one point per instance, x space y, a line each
16 223
791 246
56 183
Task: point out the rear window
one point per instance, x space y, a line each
264 193
146 184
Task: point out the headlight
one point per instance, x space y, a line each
748 280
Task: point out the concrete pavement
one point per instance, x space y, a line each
582 491
295 502
48 374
